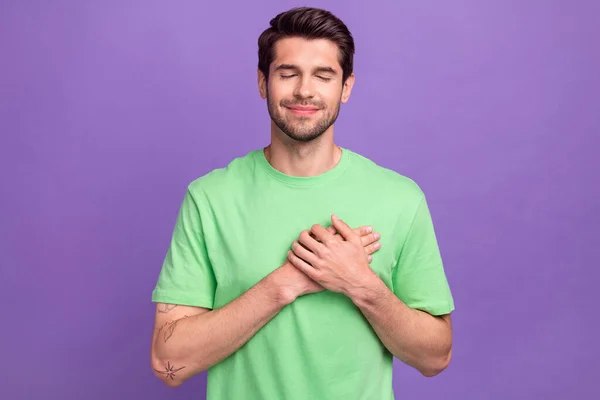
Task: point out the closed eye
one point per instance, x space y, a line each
323 78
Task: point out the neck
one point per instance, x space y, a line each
303 159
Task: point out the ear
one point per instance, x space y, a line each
347 88
262 84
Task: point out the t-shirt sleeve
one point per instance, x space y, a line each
187 276
418 278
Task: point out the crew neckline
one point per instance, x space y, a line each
326 176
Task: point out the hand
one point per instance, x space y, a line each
336 265
295 283
368 238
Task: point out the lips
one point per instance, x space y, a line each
303 110
300 108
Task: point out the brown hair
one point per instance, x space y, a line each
309 23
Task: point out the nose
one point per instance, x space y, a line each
305 88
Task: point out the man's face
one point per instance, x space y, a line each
305 87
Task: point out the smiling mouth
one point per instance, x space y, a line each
303 110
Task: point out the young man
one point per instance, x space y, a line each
266 286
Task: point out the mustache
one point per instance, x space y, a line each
290 103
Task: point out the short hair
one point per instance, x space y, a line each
309 23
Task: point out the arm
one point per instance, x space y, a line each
189 340
415 337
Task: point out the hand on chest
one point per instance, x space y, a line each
251 245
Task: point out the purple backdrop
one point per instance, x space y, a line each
108 110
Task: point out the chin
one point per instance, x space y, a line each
303 137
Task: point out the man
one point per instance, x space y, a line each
266 286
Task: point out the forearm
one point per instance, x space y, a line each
194 344
415 337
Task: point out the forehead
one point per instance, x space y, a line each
306 53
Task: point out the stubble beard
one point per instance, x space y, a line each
302 129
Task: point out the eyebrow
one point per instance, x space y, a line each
328 70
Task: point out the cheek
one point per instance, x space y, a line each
276 94
333 100
333 94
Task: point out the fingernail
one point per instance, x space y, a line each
334 216
370 258
376 236
369 229
377 245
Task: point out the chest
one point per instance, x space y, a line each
249 235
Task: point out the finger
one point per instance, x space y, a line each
336 235
344 229
360 231
372 248
331 229
370 239
304 254
309 242
363 230
302 265
321 233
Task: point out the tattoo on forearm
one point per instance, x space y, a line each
165 308
170 328
169 331
169 371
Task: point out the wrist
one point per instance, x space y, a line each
367 291
280 293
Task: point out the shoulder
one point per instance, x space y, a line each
386 178
224 179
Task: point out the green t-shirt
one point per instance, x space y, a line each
234 228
